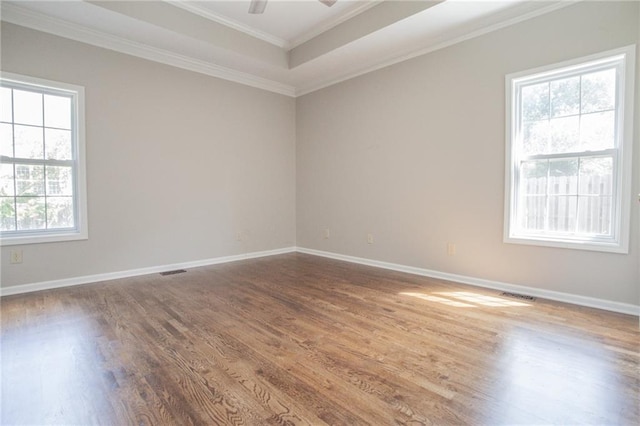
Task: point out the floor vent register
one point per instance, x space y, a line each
177 271
518 296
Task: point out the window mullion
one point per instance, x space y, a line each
601 153
44 169
547 220
37 162
585 154
15 184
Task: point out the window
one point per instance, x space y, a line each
569 137
42 170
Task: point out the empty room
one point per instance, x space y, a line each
267 212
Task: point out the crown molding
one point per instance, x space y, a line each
38 21
331 23
276 41
450 42
208 14
41 22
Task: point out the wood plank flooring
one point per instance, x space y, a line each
297 339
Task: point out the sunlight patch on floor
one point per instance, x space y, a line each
465 299
439 300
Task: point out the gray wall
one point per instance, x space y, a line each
414 154
177 162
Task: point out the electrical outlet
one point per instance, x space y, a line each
451 249
327 233
239 236
15 256
369 238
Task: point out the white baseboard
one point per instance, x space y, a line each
88 279
624 308
575 299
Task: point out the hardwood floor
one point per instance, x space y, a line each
297 339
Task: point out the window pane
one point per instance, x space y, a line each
59 212
31 213
59 180
563 176
533 184
534 176
5 104
594 215
535 137
27 107
29 180
6 140
565 97
564 135
7 214
28 142
6 180
598 91
535 102
57 144
597 131
533 213
562 213
595 200
596 176
57 111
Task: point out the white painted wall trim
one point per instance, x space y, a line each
89 279
608 305
195 8
356 9
304 90
40 22
332 23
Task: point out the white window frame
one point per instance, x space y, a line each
81 229
619 242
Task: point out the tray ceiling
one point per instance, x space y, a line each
294 48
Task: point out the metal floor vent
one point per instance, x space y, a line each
518 296
177 271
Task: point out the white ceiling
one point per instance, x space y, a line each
294 48
286 23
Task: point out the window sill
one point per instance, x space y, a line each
607 247
43 238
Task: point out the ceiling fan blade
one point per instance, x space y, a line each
327 2
257 6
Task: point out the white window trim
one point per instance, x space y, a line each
620 243
81 231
